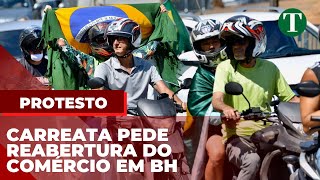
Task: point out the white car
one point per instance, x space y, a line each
291 55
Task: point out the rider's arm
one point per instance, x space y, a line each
283 90
101 71
221 79
161 87
228 111
309 106
77 56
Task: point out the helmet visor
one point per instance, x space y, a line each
100 46
119 37
99 40
237 40
34 45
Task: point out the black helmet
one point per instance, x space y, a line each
30 40
99 45
97 30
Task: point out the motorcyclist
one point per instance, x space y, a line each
309 106
246 39
100 50
125 72
34 59
210 51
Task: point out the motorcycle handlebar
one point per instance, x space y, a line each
179 109
253 116
314 129
315 118
134 112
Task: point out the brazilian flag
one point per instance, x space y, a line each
73 24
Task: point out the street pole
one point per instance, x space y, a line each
203 6
186 6
274 3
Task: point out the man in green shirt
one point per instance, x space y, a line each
261 79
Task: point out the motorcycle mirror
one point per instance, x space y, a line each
186 83
233 88
96 83
308 89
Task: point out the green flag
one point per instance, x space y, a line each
63 74
72 24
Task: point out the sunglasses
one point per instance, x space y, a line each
99 40
240 41
34 46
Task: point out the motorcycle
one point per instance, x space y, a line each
155 114
277 144
308 165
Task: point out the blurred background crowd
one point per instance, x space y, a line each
32 9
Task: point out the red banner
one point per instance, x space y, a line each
105 145
66 103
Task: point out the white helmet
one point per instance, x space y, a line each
206 29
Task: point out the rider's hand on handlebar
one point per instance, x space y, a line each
184 106
231 114
180 108
230 117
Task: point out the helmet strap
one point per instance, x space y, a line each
129 51
124 56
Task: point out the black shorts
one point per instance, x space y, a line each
214 130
